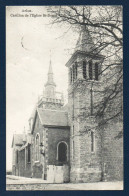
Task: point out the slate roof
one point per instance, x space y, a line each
28 141
85 42
33 112
85 46
53 117
17 139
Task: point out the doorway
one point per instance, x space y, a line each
62 150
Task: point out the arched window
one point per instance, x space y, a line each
62 152
92 142
17 156
96 71
71 75
37 142
76 70
84 69
74 73
72 148
29 151
90 70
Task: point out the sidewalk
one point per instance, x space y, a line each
22 183
10 179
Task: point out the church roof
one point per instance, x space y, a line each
17 139
33 112
84 46
53 117
85 42
28 141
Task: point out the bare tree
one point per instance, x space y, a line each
104 24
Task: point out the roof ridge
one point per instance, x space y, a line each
52 110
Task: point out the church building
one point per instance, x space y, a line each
66 143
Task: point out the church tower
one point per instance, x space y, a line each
84 76
50 85
50 98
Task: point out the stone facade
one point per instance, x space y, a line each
84 92
112 152
21 166
50 137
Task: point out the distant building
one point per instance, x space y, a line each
67 139
9 172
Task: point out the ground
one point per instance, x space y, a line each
21 183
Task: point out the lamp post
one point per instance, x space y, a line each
42 149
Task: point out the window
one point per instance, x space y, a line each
29 151
92 141
37 148
73 72
73 131
84 69
90 70
62 152
72 142
17 156
73 148
71 75
96 71
76 70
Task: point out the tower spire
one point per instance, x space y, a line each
50 65
50 85
50 80
85 42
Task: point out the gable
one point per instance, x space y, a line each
17 140
53 117
37 123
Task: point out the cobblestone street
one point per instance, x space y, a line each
21 183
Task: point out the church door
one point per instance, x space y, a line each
62 152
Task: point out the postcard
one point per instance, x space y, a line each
64 97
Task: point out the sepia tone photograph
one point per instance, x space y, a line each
64 97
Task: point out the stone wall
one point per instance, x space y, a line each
85 165
50 137
112 152
106 162
37 165
24 166
56 135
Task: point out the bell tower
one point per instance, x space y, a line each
84 68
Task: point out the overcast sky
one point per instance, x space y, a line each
28 44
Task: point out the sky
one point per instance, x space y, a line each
29 40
